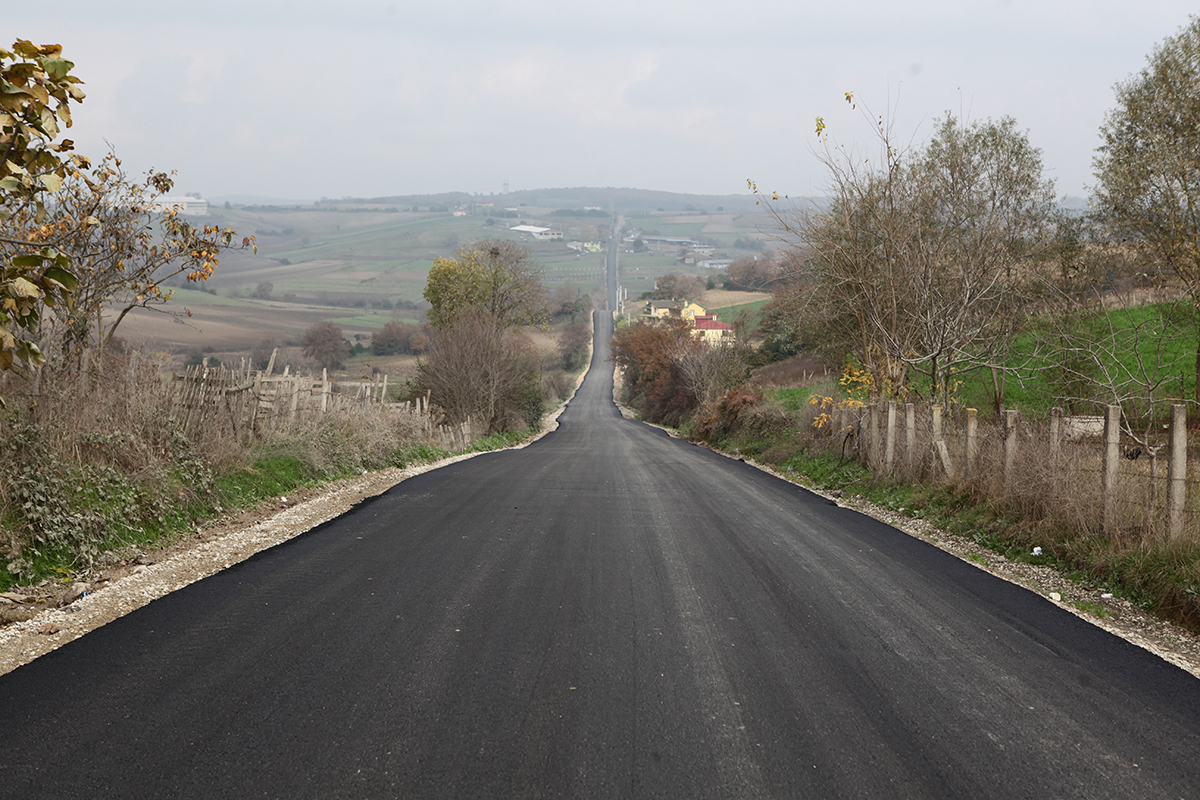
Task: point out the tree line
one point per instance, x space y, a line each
928 263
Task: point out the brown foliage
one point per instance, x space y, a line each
325 344
654 383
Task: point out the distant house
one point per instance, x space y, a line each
657 310
660 310
689 311
712 330
458 212
192 206
669 242
548 235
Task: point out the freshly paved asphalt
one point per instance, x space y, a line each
606 613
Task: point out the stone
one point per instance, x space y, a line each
18 614
73 593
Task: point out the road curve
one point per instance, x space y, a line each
608 612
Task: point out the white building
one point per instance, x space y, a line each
192 206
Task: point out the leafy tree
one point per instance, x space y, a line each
397 338
325 344
751 274
495 275
573 342
677 287
653 381
123 253
1148 164
263 291
36 89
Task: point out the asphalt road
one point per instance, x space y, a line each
606 613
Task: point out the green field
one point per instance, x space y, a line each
1134 349
729 314
322 255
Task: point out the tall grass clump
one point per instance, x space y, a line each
94 458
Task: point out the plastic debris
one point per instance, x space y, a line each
1037 551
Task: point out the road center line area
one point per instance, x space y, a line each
608 612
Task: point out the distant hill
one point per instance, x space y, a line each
258 200
623 199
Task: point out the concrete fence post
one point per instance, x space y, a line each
889 457
910 436
1177 471
1112 463
1056 415
1010 447
872 455
970 443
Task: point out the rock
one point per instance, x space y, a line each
73 593
19 614
12 597
836 493
1056 597
49 628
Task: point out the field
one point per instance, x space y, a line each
361 266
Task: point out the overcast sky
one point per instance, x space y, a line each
308 98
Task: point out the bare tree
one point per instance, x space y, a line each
922 257
1148 165
479 369
710 370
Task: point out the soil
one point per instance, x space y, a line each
43 618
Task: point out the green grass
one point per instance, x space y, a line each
376 319
794 399
1095 609
729 314
1037 388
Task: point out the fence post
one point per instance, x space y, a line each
969 445
872 437
889 458
910 436
1112 463
1010 446
295 399
271 363
1177 471
1056 415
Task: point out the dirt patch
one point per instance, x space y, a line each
723 298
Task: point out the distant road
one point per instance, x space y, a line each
614 244
608 612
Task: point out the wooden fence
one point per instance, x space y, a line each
254 403
1114 483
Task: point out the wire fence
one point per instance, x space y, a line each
1089 473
